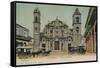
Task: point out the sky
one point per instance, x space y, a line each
25 17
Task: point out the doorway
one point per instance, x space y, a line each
69 46
56 47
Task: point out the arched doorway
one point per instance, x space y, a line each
69 46
56 46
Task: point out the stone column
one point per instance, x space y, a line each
49 43
91 38
85 44
41 45
66 46
46 43
53 45
60 45
89 43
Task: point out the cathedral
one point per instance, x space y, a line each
56 35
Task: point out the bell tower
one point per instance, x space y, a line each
76 27
36 29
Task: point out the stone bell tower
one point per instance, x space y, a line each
76 28
36 29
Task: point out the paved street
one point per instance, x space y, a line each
56 57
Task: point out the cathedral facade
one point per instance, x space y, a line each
56 35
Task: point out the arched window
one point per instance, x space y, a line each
43 45
77 29
24 43
36 19
77 19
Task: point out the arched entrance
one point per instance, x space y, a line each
56 45
69 46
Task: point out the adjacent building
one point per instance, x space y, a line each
22 39
91 30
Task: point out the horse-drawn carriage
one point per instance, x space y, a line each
79 49
41 52
34 53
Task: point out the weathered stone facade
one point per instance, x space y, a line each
57 35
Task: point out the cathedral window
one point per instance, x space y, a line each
77 29
77 19
24 43
43 45
36 19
